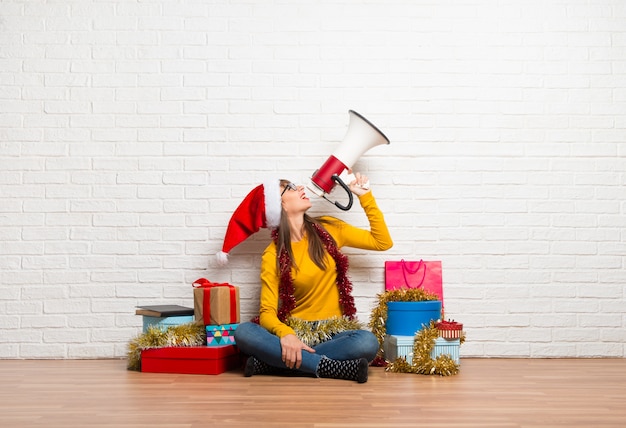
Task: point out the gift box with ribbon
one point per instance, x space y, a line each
449 329
215 303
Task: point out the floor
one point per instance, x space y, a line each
486 393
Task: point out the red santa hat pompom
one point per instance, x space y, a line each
260 209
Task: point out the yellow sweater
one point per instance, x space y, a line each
316 293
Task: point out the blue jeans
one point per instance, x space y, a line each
254 340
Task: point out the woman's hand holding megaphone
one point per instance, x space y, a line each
360 184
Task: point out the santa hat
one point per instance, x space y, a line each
260 209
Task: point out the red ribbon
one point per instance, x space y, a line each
206 300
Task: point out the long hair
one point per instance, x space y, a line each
317 251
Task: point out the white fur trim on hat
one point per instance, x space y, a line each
273 203
222 258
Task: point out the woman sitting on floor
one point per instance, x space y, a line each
307 318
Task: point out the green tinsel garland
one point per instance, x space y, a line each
190 334
315 332
424 341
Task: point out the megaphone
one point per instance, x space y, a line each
362 135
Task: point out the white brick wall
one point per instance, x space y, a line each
129 131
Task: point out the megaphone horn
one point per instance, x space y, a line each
361 136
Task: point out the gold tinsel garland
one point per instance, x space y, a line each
315 332
422 362
190 334
424 342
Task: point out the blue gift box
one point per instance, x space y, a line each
407 318
164 322
219 335
402 346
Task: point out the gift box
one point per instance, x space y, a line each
449 329
217 335
398 346
446 346
215 303
164 322
402 346
407 318
191 359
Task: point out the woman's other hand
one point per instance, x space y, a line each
292 348
360 185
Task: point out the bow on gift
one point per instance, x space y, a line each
206 301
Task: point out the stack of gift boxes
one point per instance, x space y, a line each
216 307
406 319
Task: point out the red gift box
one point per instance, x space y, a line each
449 329
191 359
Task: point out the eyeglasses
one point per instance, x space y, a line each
289 186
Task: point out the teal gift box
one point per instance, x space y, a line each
164 322
398 346
448 347
402 346
219 335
